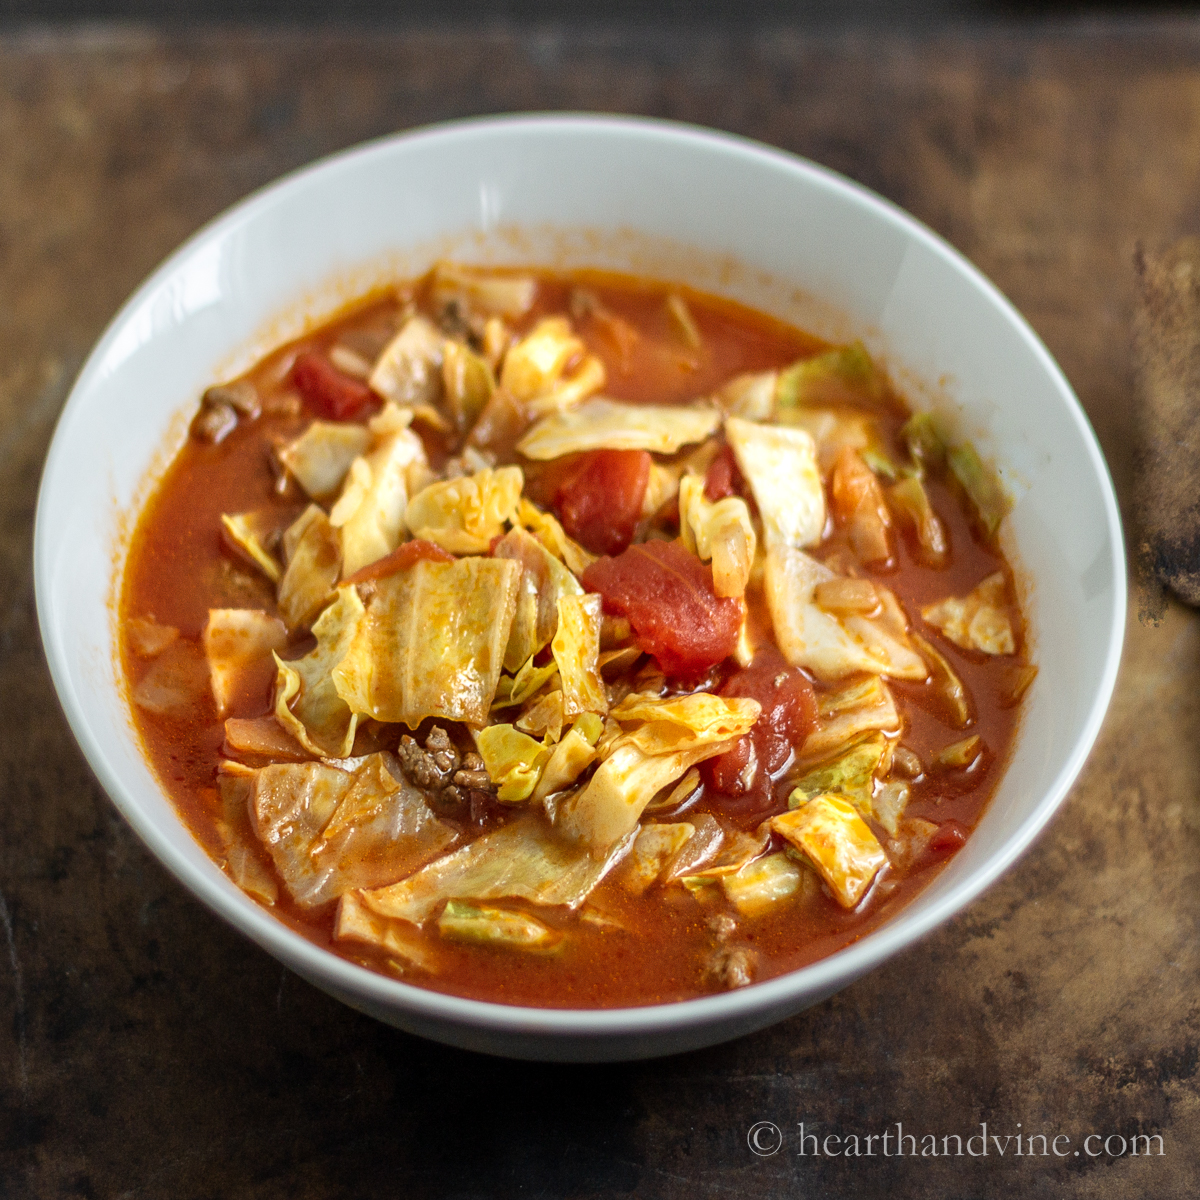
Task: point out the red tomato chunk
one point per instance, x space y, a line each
404 556
328 392
666 593
789 711
600 500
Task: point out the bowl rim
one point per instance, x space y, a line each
820 978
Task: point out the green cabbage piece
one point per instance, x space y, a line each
307 704
314 560
526 859
851 774
484 925
543 581
513 761
431 642
320 457
981 484
926 438
843 373
763 884
576 648
330 829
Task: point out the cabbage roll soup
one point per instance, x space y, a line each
573 639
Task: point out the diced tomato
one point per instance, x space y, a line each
789 712
950 836
400 559
600 501
329 392
723 476
667 594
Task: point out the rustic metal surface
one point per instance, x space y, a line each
146 1050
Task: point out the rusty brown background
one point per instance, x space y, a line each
148 1051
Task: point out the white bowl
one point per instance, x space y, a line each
707 209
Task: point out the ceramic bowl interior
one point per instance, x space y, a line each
666 200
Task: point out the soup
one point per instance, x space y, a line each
573 640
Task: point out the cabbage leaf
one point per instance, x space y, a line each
682 722
833 645
535 369
320 457
329 830
653 848
763 884
551 535
409 369
978 621
246 531
576 649
463 515
851 774
780 465
603 424
431 642
307 704
486 925
570 757
525 859
543 581
513 761
863 706
314 558
838 842
370 510
475 288
237 640
607 808
720 532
